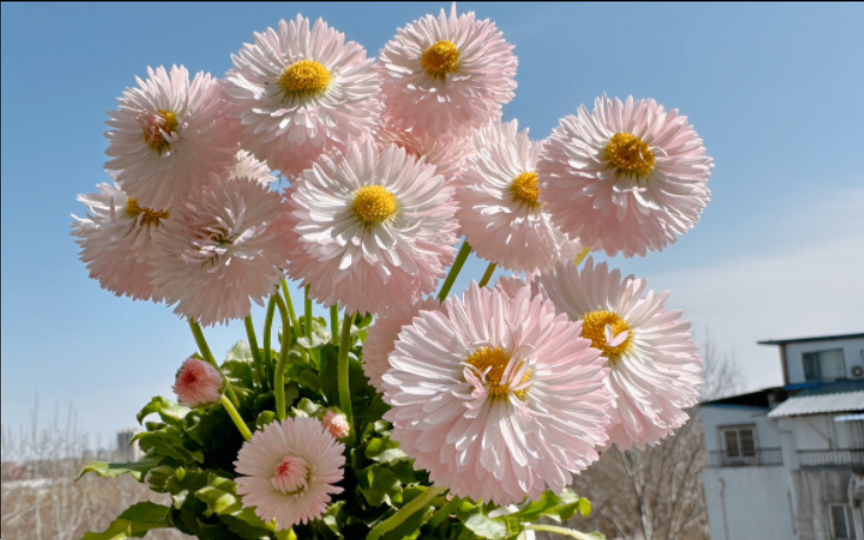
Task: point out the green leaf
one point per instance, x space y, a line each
218 501
240 352
585 507
135 522
379 485
170 412
240 371
486 527
137 469
266 417
560 508
309 379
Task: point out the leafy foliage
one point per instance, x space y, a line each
190 454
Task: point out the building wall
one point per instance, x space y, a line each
749 502
852 355
817 489
717 416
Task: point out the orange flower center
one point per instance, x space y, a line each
148 215
374 205
441 59
525 189
594 328
496 361
304 78
155 126
630 156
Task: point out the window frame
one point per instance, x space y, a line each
848 518
817 356
740 456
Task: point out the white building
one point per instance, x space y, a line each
788 462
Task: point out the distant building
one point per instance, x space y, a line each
127 449
788 462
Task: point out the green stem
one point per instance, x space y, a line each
334 322
308 330
295 324
405 512
342 375
208 356
279 379
564 531
238 420
461 257
444 512
488 275
256 352
268 332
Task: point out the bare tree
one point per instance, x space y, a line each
40 501
657 494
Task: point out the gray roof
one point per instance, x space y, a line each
809 339
821 403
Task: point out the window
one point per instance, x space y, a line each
824 365
842 525
739 441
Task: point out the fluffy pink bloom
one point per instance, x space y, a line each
222 247
336 424
628 177
247 166
448 154
289 470
116 240
383 334
654 365
169 136
371 228
198 383
499 209
299 92
447 75
497 397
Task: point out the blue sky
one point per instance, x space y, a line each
773 90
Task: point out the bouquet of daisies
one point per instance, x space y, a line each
410 413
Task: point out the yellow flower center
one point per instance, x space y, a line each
526 189
304 78
496 360
630 156
165 121
441 59
374 204
150 216
594 328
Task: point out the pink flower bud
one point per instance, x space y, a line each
198 383
337 424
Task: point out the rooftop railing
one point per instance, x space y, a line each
852 458
756 457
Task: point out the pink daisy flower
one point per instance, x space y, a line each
289 470
116 240
499 210
383 334
221 249
448 154
654 365
169 136
371 228
497 397
628 177
447 75
198 383
300 92
336 424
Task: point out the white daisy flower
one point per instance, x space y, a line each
116 240
222 247
629 177
497 397
447 75
247 166
168 136
654 365
499 210
299 93
289 470
371 228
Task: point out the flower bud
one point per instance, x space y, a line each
337 424
198 383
